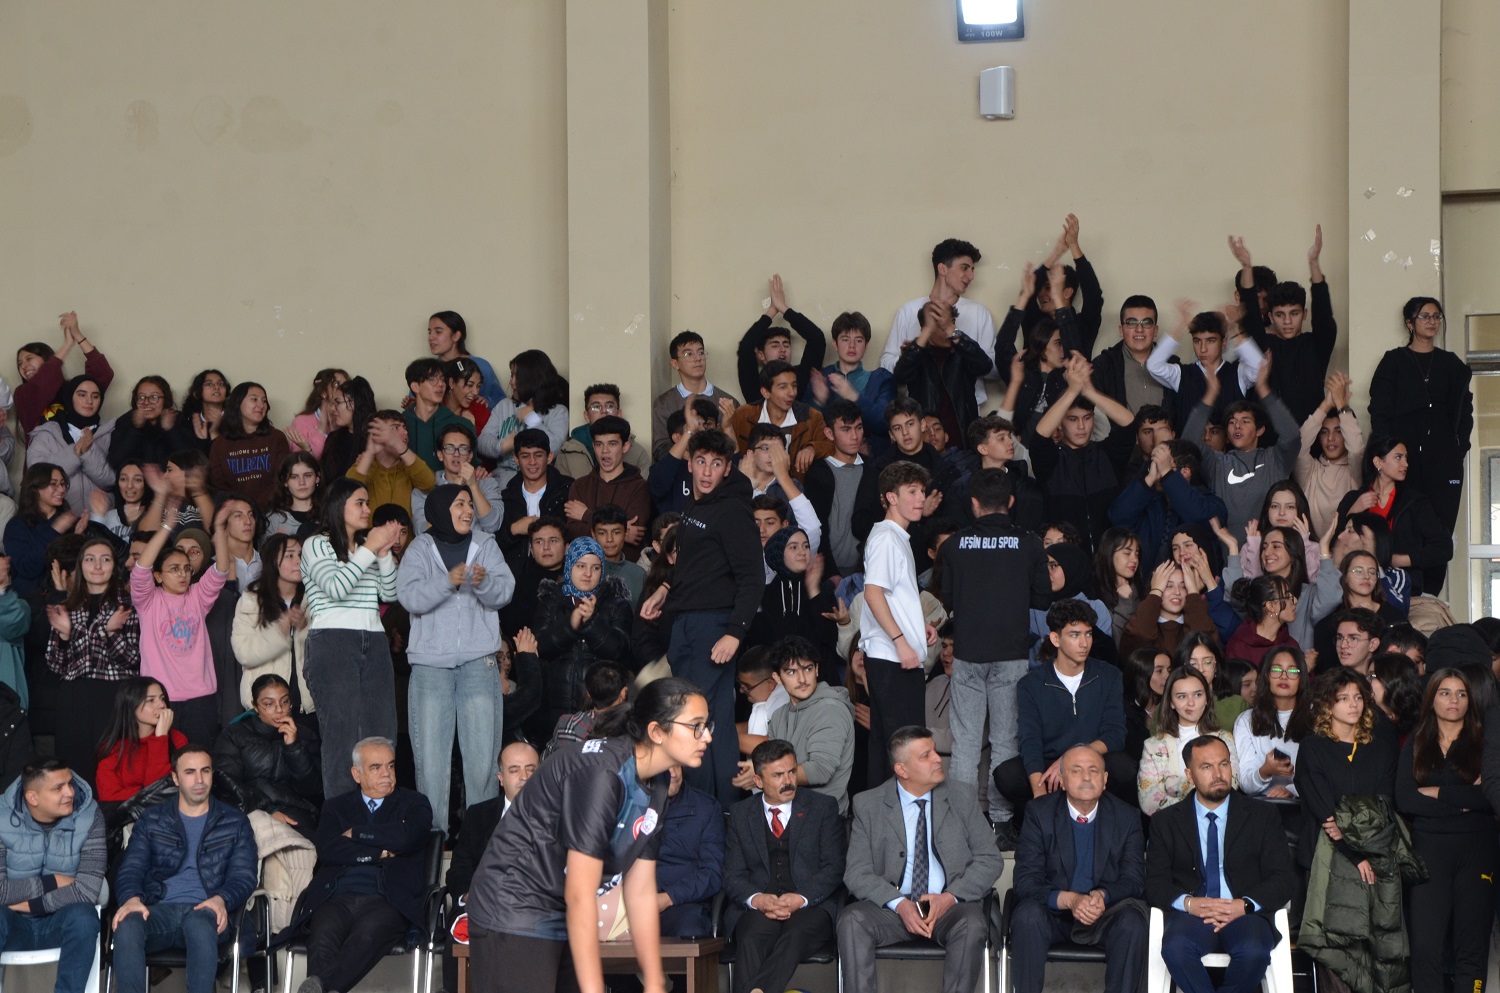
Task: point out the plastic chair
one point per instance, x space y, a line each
43 956
1278 978
420 949
1062 951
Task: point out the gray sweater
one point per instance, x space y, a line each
821 729
1242 479
451 626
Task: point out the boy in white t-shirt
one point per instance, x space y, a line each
896 638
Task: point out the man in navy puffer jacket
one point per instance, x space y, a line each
188 867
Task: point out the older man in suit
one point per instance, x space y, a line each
1080 873
367 894
1219 869
783 872
921 859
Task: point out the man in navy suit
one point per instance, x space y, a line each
1080 873
1219 869
783 875
367 894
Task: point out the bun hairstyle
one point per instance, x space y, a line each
658 702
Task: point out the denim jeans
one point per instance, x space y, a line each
437 700
171 925
73 929
351 676
980 688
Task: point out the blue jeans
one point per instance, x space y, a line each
980 688
468 697
73 929
171 925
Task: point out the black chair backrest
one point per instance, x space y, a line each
435 856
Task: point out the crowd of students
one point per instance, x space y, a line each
1001 535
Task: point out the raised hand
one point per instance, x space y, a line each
1239 251
1263 377
1317 245
1070 234
1186 309
1337 387
817 385
296 439
1028 285
778 296
525 642
98 502
1230 543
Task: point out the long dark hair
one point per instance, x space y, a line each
122 730
281 500
1182 659
1258 593
1264 721
1105 582
339 492
658 702
1409 314
1285 486
1166 718
1139 666
194 402
266 588
1296 550
116 594
1403 688
36 477
1465 752
319 385
343 446
1037 337
1378 593
661 566
232 424
1326 692
145 500
537 380
1380 447
456 324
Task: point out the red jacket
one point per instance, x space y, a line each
150 760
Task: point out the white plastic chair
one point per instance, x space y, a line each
1278 977
43 956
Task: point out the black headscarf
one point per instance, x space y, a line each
67 417
1076 566
452 547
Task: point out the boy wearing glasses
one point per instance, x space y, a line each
576 456
818 721
455 455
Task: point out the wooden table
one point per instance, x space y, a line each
697 958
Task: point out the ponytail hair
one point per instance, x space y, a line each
658 702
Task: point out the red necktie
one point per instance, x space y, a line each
1083 820
776 826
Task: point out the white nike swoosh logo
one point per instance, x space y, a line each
1234 479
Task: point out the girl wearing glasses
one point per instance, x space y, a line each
1270 610
142 433
353 406
1422 392
1268 735
583 836
1360 580
41 515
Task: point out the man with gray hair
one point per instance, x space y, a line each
371 873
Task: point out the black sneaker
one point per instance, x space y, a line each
1005 836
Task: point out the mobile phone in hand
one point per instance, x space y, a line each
924 908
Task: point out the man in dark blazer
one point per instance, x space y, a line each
372 845
921 858
1080 873
1219 869
783 872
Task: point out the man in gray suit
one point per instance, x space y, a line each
783 872
921 859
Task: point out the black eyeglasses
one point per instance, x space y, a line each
699 730
747 690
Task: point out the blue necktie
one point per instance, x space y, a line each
373 805
1211 859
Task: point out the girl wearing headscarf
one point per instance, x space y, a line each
797 599
453 582
1071 570
74 441
581 619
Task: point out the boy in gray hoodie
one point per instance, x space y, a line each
819 721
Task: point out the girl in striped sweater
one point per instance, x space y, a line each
348 571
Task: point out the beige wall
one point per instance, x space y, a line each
278 186
1471 96
837 142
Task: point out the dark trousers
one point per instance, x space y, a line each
898 698
349 935
1247 940
767 952
1013 783
1439 475
198 718
865 926
693 636
1036 927
509 963
350 675
1458 899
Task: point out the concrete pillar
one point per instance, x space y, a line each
619 217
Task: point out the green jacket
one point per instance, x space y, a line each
1352 928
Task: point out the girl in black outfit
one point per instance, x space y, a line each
1349 752
1453 830
198 424
1419 543
353 406
142 433
268 760
1422 392
796 601
1145 673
